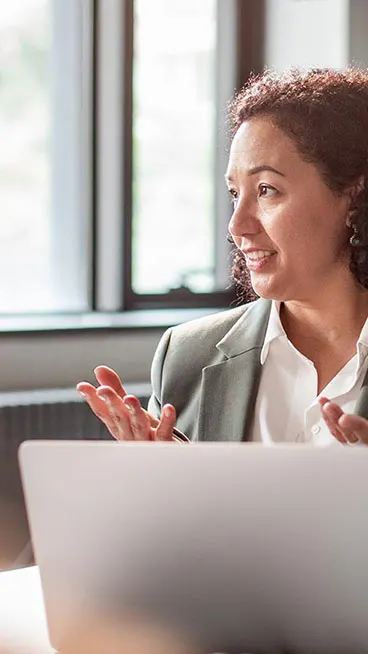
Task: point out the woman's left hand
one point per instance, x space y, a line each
345 427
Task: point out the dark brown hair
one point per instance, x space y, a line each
325 113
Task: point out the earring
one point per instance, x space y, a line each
354 239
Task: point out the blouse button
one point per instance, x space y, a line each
316 429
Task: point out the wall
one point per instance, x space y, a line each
307 33
61 360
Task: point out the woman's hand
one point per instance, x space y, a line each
346 428
122 414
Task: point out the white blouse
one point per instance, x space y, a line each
287 408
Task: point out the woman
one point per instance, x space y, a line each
292 365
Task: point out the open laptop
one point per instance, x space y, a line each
244 547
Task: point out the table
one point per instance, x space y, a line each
23 628
22 616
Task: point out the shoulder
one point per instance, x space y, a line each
185 350
191 342
194 343
214 325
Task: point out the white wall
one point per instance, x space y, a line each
61 360
358 32
307 33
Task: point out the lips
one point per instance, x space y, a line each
257 259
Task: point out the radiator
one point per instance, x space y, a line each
44 414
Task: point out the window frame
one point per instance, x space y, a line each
73 202
114 290
67 147
183 297
107 187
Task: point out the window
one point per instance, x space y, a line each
112 124
44 135
174 117
175 211
178 240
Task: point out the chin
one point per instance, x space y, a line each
269 291
276 282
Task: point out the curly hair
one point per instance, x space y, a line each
325 113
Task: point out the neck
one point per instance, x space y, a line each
328 316
326 328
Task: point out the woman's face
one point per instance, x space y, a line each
290 226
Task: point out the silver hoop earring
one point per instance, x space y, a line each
354 239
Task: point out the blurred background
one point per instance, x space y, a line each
114 211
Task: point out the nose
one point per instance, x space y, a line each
243 222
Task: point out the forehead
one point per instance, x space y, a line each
259 141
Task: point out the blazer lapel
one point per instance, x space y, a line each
361 406
229 388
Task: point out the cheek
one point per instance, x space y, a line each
282 228
308 243
294 229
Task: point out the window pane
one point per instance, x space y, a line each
42 261
174 114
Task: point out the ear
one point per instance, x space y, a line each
353 193
356 188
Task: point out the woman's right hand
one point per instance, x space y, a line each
122 414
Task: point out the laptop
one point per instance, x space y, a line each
244 548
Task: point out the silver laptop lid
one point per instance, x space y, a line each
244 547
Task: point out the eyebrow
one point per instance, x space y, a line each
258 169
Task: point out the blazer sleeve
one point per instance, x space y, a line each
182 355
155 404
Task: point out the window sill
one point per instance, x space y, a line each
127 320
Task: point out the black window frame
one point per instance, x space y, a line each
249 59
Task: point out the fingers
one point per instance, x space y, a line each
140 423
356 426
164 431
342 426
104 406
123 414
108 377
97 405
124 417
119 416
323 400
331 413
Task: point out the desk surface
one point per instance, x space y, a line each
22 617
23 628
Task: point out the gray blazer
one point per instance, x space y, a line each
210 369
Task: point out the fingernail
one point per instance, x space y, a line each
104 398
167 411
82 393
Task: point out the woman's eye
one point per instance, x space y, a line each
266 191
233 196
